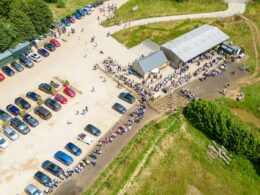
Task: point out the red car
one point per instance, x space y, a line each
60 98
55 42
71 19
68 91
2 77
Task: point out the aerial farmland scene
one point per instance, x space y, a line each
130 97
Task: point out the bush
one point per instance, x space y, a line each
219 124
60 4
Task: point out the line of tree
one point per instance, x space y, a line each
22 20
219 124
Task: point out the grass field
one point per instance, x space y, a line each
162 32
177 164
70 7
155 8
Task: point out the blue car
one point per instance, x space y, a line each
33 96
43 52
25 61
81 12
72 148
43 178
77 16
93 130
66 22
63 158
13 109
8 71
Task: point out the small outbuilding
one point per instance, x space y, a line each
5 58
150 64
20 48
58 27
230 48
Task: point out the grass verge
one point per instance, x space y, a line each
155 8
177 165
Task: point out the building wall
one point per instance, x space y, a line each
172 57
5 61
136 67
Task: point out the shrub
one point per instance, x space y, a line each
60 4
220 124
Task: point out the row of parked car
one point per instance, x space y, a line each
73 149
21 104
78 14
27 59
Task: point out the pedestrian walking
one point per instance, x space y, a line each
93 89
86 108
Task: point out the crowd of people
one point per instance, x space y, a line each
186 92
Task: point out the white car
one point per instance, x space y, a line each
35 57
11 134
3 143
84 138
90 8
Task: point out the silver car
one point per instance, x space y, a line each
11 134
3 143
32 190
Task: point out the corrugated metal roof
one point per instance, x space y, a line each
152 61
196 42
19 46
5 54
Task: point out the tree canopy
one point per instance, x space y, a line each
221 125
22 20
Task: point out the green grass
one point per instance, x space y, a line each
160 33
252 12
155 8
251 103
70 7
177 165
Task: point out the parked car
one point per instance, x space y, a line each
18 67
127 97
92 130
2 77
72 148
35 57
49 46
22 103
42 178
119 108
81 12
19 125
70 92
43 52
90 7
30 120
33 96
60 98
71 19
13 109
45 88
66 22
52 168
25 61
63 158
4 116
77 16
55 42
8 71
3 143
42 112
11 134
32 190
86 10
84 138
52 104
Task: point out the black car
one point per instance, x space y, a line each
4 116
33 96
92 130
30 120
52 168
127 97
43 52
52 104
49 46
45 88
22 103
25 61
43 178
8 71
18 67
42 112
119 108
19 125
